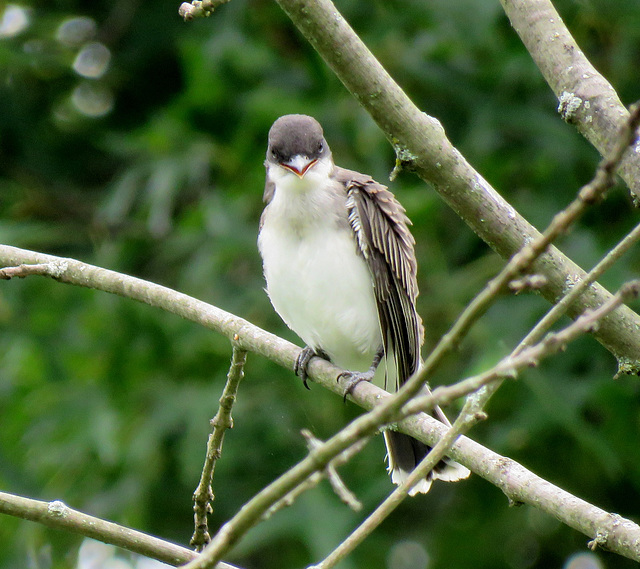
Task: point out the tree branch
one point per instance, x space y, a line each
315 479
521 357
339 487
622 536
70 271
587 99
57 515
421 143
203 495
590 193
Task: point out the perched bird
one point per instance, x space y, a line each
340 269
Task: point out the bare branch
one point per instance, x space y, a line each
53 269
239 331
522 486
537 492
586 98
58 515
322 454
203 495
508 367
496 469
526 257
522 357
316 477
472 412
602 179
339 487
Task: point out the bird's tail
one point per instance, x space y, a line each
404 453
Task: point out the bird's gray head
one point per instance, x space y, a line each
296 142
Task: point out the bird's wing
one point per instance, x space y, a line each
384 240
267 196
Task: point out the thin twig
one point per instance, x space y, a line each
521 261
316 478
312 481
556 312
323 453
339 487
203 495
603 179
469 416
52 269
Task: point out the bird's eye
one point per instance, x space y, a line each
321 147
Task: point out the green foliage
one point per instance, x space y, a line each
154 168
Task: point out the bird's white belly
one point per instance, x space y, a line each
323 291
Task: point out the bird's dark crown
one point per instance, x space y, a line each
293 135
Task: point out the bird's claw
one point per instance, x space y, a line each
352 378
302 362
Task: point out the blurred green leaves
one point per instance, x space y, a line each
105 404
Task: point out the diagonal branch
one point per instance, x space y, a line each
383 410
421 143
523 356
587 99
590 193
343 492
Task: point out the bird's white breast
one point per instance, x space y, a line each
316 281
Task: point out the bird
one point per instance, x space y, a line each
340 270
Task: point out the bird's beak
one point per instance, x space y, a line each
299 165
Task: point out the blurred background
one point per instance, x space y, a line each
134 141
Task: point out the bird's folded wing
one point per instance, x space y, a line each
384 240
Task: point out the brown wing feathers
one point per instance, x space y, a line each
385 242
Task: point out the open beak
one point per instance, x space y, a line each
299 165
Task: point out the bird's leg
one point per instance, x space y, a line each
352 378
302 362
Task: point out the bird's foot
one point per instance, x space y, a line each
352 378
302 362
